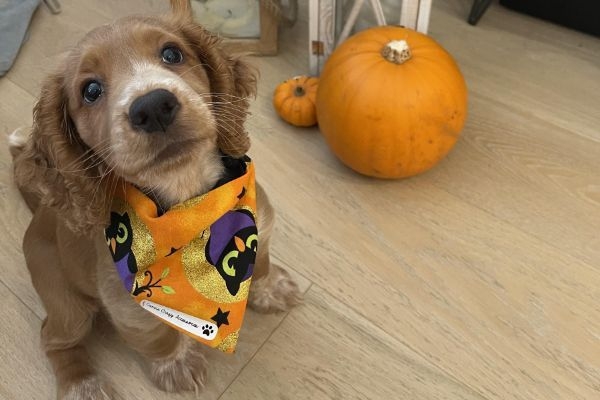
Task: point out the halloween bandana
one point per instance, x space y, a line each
191 265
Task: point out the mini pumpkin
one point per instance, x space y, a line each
391 102
294 100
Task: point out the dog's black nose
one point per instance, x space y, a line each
154 111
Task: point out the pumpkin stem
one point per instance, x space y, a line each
396 51
299 91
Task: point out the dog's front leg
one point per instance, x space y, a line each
176 361
70 313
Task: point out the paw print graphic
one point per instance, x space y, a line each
207 330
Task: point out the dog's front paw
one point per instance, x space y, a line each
89 388
274 292
184 370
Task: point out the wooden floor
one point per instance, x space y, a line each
477 280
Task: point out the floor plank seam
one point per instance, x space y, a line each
260 347
280 261
20 300
25 91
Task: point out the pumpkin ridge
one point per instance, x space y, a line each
286 101
336 60
363 71
416 124
403 103
350 105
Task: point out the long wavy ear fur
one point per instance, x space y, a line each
57 167
232 80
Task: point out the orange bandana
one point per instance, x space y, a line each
192 265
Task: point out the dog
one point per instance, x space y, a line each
158 102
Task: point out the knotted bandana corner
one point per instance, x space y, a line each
192 265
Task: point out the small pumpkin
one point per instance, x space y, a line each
294 100
391 102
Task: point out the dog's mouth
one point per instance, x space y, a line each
176 150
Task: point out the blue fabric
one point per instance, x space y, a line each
14 20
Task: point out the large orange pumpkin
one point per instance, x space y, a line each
391 102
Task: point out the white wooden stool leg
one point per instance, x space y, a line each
409 13
351 20
352 17
424 13
321 31
313 36
378 11
415 14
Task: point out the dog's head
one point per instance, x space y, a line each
151 100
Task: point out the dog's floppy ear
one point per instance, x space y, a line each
57 167
182 10
232 82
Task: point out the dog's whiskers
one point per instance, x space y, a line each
89 153
192 68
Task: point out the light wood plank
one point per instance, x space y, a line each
481 299
25 373
15 106
327 351
15 111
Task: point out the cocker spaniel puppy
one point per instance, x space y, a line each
157 102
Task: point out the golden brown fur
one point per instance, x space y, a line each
66 167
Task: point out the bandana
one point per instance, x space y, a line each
190 266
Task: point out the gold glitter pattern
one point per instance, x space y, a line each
229 342
204 277
189 203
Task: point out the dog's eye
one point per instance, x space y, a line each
172 55
92 91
